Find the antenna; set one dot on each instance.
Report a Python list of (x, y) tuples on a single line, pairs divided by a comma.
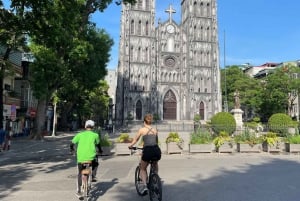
[(225, 77)]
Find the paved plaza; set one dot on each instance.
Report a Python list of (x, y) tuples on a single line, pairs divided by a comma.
[(44, 171)]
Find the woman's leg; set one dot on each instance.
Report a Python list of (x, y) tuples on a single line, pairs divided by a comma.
[(143, 171), (155, 165)]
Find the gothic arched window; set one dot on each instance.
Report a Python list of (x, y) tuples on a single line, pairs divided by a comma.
[(131, 53), (147, 5), (139, 54), (140, 4), (140, 28), (147, 28), (146, 54), (132, 27)]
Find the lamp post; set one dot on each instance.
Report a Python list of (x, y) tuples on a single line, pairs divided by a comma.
[(110, 114)]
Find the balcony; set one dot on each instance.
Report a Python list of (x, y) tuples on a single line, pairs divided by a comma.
[(10, 100)]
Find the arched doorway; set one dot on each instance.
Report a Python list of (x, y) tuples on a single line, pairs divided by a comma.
[(169, 106), (138, 110), (201, 110)]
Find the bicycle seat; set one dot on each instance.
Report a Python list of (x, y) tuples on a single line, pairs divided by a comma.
[(86, 162), (85, 171)]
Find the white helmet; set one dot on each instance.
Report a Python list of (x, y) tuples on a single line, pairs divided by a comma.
[(89, 123)]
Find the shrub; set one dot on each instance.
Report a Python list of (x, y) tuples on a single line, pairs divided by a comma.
[(248, 138), (293, 139), (280, 123), (174, 137), (196, 118), (124, 138), (223, 121), (201, 136), (222, 138), (105, 141), (271, 138)]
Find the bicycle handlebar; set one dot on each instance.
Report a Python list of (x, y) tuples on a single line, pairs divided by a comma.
[(135, 148)]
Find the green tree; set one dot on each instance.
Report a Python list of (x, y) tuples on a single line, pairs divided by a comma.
[(59, 33), (12, 38), (248, 87), (280, 91)]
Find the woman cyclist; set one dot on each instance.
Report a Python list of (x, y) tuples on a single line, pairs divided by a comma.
[(151, 150)]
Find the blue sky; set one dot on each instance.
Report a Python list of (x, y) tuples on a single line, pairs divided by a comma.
[(256, 31)]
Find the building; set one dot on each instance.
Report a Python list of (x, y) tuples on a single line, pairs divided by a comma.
[(260, 71), (165, 68), (111, 79)]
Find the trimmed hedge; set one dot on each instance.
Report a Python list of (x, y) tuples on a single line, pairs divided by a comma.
[(223, 121), (279, 123)]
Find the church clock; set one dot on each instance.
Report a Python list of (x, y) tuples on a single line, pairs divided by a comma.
[(170, 28)]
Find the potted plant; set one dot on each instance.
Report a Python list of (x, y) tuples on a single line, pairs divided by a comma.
[(223, 142), (248, 142), (121, 144), (106, 144), (272, 143), (201, 141), (174, 143), (292, 143)]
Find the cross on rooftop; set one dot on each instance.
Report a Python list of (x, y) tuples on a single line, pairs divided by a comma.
[(170, 11)]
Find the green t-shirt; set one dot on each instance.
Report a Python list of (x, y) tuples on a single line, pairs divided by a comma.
[(86, 149)]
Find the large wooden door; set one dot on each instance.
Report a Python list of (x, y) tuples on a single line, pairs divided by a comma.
[(138, 110), (169, 106)]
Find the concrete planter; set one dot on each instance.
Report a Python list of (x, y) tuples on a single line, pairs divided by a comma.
[(292, 147), (227, 147), (122, 149), (106, 151), (200, 148), (276, 148), (173, 148), (241, 147)]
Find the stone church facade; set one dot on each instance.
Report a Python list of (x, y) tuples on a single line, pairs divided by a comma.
[(168, 69)]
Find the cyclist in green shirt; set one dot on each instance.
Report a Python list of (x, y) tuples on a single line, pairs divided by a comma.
[(86, 143)]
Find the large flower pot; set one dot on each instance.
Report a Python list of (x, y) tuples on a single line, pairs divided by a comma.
[(122, 149), (227, 147), (292, 147), (200, 148), (276, 148), (106, 151), (243, 147), (174, 148)]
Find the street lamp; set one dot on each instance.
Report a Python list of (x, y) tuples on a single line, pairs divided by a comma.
[(110, 114)]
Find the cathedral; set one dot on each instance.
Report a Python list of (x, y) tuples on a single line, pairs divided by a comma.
[(167, 68)]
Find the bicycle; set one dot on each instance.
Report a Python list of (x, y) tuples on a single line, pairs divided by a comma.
[(153, 181), (86, 179)]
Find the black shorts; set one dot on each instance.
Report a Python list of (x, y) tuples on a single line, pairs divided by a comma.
[(151, 153)]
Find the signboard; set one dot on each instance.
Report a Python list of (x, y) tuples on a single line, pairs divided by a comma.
[(13, 115)]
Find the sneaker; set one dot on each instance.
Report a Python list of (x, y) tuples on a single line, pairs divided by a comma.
[(79, 194), (144, 190), (94, 179)]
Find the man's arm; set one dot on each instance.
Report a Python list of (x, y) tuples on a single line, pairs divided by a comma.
[(99, 148), (71, 147)]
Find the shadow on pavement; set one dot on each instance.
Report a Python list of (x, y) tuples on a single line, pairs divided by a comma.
[(30, 156), (268, 181)]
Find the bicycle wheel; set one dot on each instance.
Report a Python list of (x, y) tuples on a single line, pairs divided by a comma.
[(155, 187), (138, 181)]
